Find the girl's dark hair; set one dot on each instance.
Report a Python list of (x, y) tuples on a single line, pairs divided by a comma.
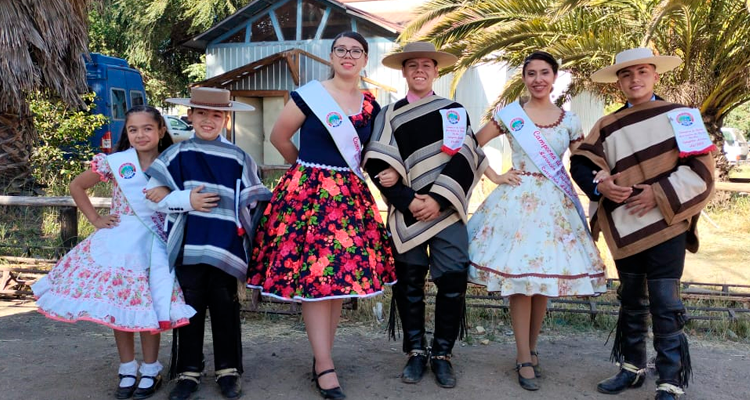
[(351, 35), (543, 56), (124, 142)]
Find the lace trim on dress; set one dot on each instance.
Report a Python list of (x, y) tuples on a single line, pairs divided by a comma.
[(558, 122), (322, 166)]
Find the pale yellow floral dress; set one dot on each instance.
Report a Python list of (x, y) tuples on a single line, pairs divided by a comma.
[(529, 239)]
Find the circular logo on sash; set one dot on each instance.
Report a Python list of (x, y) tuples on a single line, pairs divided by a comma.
[(334, 119), (452, 117), (516, 124), (685, 119), (127, 170)]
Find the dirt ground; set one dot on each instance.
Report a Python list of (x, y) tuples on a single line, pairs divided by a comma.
[(45, 359)]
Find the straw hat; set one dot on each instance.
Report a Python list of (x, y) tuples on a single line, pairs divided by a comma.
[(637, 56), (419, 50), (211, 99)]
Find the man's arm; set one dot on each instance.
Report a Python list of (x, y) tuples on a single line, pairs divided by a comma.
[(399, 194), (582, 170)]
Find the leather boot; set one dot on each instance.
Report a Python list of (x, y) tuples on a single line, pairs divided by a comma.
[(629, 348), (669, 317), (408, 294), (449, 316)]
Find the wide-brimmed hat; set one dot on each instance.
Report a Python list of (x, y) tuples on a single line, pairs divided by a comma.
[(419, 50), (211, 99), (637, 56)]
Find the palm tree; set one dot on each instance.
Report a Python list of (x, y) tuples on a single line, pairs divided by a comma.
[(712, 37), (43, 43)]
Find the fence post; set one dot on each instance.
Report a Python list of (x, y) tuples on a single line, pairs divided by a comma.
[(68, 227)]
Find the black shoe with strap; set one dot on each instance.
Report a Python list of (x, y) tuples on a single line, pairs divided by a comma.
[(526, 383), (187, 383), (415, 367), (144, 393), (537, 367), (443, 370), (333, 393), (625, 379), (229, 383), (127, 391)]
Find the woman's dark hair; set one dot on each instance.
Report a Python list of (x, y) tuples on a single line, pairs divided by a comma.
[(543, 56), (351, 35), (124, 142)]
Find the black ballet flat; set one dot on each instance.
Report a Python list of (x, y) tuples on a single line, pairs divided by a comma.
[(126, 392), (333, 393), (144, 393), (537, 367), (526, 383)]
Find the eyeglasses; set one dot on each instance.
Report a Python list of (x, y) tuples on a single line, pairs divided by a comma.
[(356, 53)]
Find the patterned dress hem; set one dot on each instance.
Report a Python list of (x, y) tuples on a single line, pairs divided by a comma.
[(299, 299)]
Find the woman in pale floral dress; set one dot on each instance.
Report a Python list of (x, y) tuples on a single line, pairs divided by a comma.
[(527, 240), (119, 276)]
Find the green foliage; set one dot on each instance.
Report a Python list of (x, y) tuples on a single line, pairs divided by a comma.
[(740, 118), (149, 34), (63, 146)]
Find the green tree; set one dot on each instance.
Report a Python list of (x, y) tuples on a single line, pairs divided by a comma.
[(63, 147), (740, 118), (712, 37), (149, 34)]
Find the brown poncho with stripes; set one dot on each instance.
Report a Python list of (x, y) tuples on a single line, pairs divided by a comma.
[(408, 137), (639, 143)]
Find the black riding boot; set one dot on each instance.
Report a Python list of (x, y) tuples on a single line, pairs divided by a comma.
[(408, 294), (449, 316), (672, 353), (629, 348)]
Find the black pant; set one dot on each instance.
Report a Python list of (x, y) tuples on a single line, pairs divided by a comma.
[(206, 286), (650, 284)]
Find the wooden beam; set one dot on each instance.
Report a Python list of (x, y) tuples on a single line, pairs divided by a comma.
[(60, 201), (291, 63)]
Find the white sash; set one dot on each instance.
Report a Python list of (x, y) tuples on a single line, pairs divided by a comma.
[(127, 171), (531, 140), (690, 132), (336, 122)]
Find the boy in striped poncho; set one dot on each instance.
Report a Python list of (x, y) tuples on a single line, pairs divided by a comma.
[(650, 187), (214, 186)]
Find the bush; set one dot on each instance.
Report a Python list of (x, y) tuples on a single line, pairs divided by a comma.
[(63, 148)]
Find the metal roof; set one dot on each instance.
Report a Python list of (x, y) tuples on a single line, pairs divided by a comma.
[(256, 7)]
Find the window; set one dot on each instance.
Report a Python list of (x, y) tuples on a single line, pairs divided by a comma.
[(238, 37), (263, 31), (312, 14), (337, 22), (136, 98), (287, 17), (119, 104)]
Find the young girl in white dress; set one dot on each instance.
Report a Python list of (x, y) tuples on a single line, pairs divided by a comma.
[(119, 276), (527, 240)]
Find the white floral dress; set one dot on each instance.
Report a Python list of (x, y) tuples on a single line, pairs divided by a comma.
[(105, 278), (529, 239)]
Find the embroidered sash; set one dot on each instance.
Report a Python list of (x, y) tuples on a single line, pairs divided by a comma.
[(127, 171), (531, 140), (454, 129), (690, 132), (336, 122)]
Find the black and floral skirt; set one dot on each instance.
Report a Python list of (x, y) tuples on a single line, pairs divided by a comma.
[(321, 237)]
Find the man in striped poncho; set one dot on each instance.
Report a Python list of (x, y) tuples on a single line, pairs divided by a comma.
[(650, 185), (427, 140)]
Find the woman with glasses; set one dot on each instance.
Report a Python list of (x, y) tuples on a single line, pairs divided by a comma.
[(321, 239)]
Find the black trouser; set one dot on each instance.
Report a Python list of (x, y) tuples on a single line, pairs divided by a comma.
[(447, 262), (659, 269), (206, 286)]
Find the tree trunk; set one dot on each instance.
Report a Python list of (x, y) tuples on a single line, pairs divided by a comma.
[(17, 137), (714, 131)]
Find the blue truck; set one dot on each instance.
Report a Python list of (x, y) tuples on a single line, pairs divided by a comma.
[(118, 87)]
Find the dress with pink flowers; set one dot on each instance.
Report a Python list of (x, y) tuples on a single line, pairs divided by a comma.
[(107, 278), (529, 239)]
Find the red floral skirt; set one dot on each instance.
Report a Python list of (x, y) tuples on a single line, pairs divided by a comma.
[(321, 237)]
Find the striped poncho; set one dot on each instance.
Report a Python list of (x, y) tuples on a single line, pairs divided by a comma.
[(409, 137), (211, 237), (639, 143)]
